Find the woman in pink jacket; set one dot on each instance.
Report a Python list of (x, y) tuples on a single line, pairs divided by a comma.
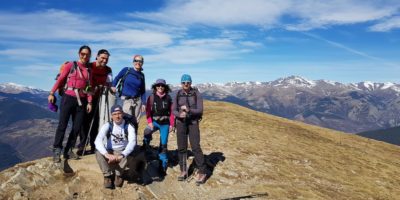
[(75, 78)]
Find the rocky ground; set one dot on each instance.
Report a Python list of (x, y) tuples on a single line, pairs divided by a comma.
[(257, 156)]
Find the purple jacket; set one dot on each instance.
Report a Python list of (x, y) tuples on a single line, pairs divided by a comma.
[(193, 100)]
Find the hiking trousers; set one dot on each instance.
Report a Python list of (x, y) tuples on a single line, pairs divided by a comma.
[(164, 132), (132, 107), (69, 108), (114, 168), (183, 132)]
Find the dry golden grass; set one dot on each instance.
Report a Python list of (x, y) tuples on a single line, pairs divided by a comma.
[(289, 159)]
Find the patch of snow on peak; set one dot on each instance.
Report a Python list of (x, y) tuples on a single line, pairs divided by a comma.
[(387, 85), (17, 88)]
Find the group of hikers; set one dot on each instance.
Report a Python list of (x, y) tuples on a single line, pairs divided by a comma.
[(88, 96)]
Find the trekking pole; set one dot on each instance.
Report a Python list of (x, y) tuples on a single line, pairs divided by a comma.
[(185, 164), (107, 104), (90, 128)]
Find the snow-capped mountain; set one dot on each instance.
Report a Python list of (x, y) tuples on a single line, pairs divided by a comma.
[(13, 88), (354, 107)]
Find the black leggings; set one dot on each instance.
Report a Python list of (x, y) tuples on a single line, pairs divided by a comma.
[(191, 130), (69, 108)]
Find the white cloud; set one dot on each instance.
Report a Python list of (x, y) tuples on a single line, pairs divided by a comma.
[(58, 25), (46, 25), (251, 44), (315, 14), (233, 34), (291, 14), (195, 51), (219, 12), (26, 53), (386, 25)]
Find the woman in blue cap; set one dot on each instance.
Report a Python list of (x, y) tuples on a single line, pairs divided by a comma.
[(159, 117), (188, 110)]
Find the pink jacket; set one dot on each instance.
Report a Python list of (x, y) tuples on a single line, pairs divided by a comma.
[(77, 79)]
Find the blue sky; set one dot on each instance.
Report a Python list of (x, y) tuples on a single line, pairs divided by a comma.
[(213, 40)]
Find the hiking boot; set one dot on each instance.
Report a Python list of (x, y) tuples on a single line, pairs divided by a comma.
[(201, 178), (118, 181), (92, 150), (108, 182), (182, 176), (162, 170), (80, 151), (57, 155), (71, 155)]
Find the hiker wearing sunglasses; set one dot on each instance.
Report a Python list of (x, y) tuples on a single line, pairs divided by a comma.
[(188, 109), (101, 79), (130, 84), (159, 117), (76, 100)]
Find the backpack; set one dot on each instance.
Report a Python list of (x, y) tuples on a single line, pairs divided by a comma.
[(129, 120), (168, 99), (120, 84), (64, 86), (179, 94)]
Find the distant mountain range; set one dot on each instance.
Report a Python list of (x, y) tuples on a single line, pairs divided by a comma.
[(26, 125), (352, 108)]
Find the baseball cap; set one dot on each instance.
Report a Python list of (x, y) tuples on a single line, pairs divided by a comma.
[(116, 108)]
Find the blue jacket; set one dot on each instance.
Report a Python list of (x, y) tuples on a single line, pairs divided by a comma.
[(134, 84)]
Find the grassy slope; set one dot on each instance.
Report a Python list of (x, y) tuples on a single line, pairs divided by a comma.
[(291, 159), (263, 154)]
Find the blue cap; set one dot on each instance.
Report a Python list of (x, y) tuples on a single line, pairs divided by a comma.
[(186, 78), (116, 108)]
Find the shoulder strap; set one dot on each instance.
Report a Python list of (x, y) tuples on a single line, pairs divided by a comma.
[(110, 129), (120, 84), (195, 97), (76, 67), (177, 99), (126, 129), (129, 121), (89, 72), (111, 126), (151, 99)]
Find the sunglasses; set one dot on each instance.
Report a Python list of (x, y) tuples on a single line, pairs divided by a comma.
[(187, 82), (139, 61), (160, 85), (84, 54)]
